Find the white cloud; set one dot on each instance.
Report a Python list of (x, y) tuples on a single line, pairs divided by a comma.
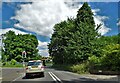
[(44, 52), (100, 20), (66, 0), (95, 11), (118, 24), (6, 0), (43, 48), (3, 31), (42, 45), (41, 16)]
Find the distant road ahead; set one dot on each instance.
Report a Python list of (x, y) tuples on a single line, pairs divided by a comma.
[(16, 75)]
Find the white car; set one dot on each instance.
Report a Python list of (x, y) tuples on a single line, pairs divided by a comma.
[(35, 67)]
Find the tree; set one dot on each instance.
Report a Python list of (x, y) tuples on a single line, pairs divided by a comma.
[(60, 40), (14, 45), (86, 33), (73, 40)]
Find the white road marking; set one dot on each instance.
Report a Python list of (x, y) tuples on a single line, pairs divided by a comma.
[(55, 78), (52, 76), (18, 78)]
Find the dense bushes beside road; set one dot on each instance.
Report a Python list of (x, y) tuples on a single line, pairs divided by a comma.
[(108, 60)]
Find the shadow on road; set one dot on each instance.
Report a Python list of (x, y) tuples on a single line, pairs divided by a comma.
[(33, 77), (89, 79)]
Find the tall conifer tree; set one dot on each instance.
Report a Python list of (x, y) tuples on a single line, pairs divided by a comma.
[(85, 32)]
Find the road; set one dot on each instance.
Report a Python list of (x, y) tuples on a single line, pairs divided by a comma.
[(16, 75)]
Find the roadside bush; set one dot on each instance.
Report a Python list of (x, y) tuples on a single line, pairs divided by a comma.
[(80, 68), (8, 64), (62, 67), (13, 62), (77, 68), (18, 58), (109, 59), (94, 63)]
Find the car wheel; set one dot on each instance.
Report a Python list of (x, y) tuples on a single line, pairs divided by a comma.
[(41, 74), (27, 75)]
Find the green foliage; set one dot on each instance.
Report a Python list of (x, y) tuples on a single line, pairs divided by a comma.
[(38, 57), (8, 64), (109, 59), (60, 41), (94, 63), (14, 45), (62, 67), (76, 68), (77, 40), (80, 68), (13, 61), (72, 40), (94, 60), (85, 15), (18, 58)]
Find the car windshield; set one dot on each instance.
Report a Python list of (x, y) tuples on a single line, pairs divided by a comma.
[(33, 63)]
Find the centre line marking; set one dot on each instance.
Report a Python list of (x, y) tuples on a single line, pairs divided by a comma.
[(52, 76), (55, 77)]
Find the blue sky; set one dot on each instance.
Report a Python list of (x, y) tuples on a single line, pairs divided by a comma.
[(110, 10), (8, 10), (13, 14)]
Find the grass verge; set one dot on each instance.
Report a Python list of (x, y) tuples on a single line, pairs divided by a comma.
[(11, 65)]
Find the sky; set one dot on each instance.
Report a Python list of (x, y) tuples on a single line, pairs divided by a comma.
[(39, 18)]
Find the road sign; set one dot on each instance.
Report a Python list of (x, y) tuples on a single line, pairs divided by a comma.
[(24, 54)]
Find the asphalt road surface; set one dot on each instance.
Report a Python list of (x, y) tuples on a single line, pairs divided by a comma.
[(17, 75)]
